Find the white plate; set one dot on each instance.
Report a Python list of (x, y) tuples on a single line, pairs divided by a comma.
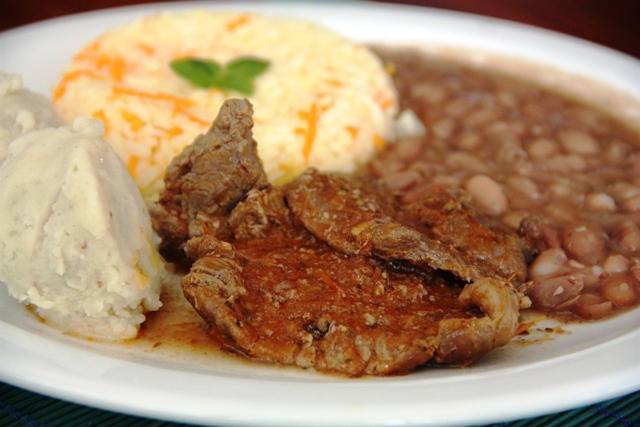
[(588, 363)]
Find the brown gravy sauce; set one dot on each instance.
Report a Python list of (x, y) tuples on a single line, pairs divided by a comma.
[(176, 324)]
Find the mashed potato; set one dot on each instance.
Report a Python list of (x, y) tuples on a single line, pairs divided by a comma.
[(324, 101), (75, 236), (22, 111)]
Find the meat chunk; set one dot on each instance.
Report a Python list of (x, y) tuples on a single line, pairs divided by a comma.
[(445, 216), (297, 301), (462, 340), (259, 214), (205, 182), (438, 232)]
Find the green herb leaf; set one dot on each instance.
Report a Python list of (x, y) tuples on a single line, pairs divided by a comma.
[(199, 72), (237, 75), (240, 73), (249, 67)]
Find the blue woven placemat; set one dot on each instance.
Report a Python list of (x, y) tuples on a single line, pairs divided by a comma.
[(20, 408)]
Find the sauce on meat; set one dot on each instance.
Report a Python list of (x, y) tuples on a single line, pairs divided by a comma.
[(177, 325), (387, 286)]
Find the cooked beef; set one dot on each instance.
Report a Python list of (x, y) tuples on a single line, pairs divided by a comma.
[(292, 299), (445, 216), (207, 179), (262, 213), (438, 231), (330, 271)]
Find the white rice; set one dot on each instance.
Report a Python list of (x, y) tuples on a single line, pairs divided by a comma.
[(324, 101)]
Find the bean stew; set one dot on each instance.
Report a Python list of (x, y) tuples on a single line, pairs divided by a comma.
[(523, 151)]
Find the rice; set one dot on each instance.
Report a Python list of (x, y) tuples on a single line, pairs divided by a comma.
[(323, 102)]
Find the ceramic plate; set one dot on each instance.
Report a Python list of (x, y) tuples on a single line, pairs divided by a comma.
[(542, 373)]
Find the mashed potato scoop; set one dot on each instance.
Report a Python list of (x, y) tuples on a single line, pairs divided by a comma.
[(75, 236), (22, 111)]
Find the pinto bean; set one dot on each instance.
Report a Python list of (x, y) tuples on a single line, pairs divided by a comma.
[(587, 118), (626, 237), (457, 107), (591, 276), (592, 306), (574, 163), (425, 169), (572, 263), (487, 195), (525, 186), (443, 128), (616, 264), (620, 289), (513, 219), (382, 168), (555, 293), (466, 162), (542, 149), (526, 168), (617, 151), (534, 110), (632, 204), (408, 149), (566, 163), (635, 272), (634, 162), (566, 189), (506, 130), (550, 236), (507, 99), (401, 180), (622, 191), (586, 244), (446, 180), (510, 152), (468, 141), (594, 162), (600, 202), (429, 92), (481, 116), (578, 142), (561, 212), (547, 263)]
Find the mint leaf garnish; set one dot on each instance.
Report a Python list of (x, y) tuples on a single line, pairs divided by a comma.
[(238, 75), (199, 72)]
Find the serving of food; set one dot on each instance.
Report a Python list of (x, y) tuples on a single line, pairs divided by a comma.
[(246, 202)]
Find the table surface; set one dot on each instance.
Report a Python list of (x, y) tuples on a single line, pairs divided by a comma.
[(610, 23)]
